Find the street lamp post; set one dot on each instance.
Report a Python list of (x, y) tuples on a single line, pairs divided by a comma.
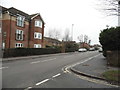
[(118, 13)]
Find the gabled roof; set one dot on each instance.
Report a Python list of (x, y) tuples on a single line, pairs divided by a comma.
[(52, 40), (35, 15), (15, 12), (3, 8)]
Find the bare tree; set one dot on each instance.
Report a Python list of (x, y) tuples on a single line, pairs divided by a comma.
[(54, 33), (109, 7), (85, 38), (57, 34), (80, 38), (67, 35), (50, 33)]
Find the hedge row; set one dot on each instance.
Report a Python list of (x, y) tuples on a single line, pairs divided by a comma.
[(70, 50), (16, 52)]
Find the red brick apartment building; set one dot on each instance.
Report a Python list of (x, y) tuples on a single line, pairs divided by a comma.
[(20, 29)]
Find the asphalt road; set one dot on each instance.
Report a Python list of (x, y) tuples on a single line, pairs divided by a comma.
[(48, 72)]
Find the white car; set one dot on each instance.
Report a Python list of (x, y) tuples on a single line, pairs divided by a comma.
[(92, 49), (82, 50), (100, 50)]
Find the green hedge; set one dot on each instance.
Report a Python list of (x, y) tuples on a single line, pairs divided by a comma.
[(16, 52), (110, 39), (70, 50)]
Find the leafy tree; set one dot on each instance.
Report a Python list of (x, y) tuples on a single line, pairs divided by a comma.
[(110, 39)]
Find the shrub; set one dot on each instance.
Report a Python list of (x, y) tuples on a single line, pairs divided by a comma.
[(16, 52), (110, 39)]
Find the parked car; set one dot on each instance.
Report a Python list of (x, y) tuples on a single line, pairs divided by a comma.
[(82, 50), (92, 49), (100, 50)]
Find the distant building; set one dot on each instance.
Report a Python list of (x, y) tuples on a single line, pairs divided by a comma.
[(48, 42), (84, 45), (70, 42), (20, 29)]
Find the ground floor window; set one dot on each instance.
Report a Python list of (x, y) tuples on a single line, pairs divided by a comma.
[(3, 45), (17, 45), (37, 46)]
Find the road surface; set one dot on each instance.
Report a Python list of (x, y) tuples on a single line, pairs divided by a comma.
[(48, 72)]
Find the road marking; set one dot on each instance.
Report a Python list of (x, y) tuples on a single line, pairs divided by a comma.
[(96, 81), (41, 82), (48, 60), (3, 68), (65, 69), (28, 88), (67, 56), (56, 75), (35, 62), (42, 61), (85, 60)]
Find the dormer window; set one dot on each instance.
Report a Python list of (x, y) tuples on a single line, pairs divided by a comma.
[(20, 20), (38, 23)]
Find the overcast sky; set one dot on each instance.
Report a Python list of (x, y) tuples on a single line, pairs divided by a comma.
[(61, 14)]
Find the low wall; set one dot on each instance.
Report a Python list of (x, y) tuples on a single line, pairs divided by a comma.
[(113, 58)]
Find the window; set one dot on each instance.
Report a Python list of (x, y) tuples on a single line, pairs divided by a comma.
[(3, 46), (0, 14), (38, 23), (37, 35), (20, 21), (37, 46), (17, 45), (0, 30), (19, 34)]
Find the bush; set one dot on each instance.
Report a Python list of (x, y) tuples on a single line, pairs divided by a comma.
[(110, 39), (16, 52), (71, 47)]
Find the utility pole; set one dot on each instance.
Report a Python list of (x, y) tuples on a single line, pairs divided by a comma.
[(118, 13)]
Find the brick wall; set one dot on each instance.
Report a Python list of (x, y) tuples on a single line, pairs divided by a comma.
[(35, 29), (9, 27)]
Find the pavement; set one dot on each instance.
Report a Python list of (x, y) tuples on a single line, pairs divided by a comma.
[(94, 68)]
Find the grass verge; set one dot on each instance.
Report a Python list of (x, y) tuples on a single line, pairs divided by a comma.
[(112, 75)]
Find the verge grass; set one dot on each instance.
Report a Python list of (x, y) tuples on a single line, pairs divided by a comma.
[(112, 75)]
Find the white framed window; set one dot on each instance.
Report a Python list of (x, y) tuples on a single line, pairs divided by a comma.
[(0, 14), (38, 23), (37, 35), (3, 45), (0, 30), (20, 20), (37, 46), (19, 34), (17, 45)]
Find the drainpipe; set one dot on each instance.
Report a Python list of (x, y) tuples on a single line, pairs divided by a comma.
[(29, 31), (10, 32)]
